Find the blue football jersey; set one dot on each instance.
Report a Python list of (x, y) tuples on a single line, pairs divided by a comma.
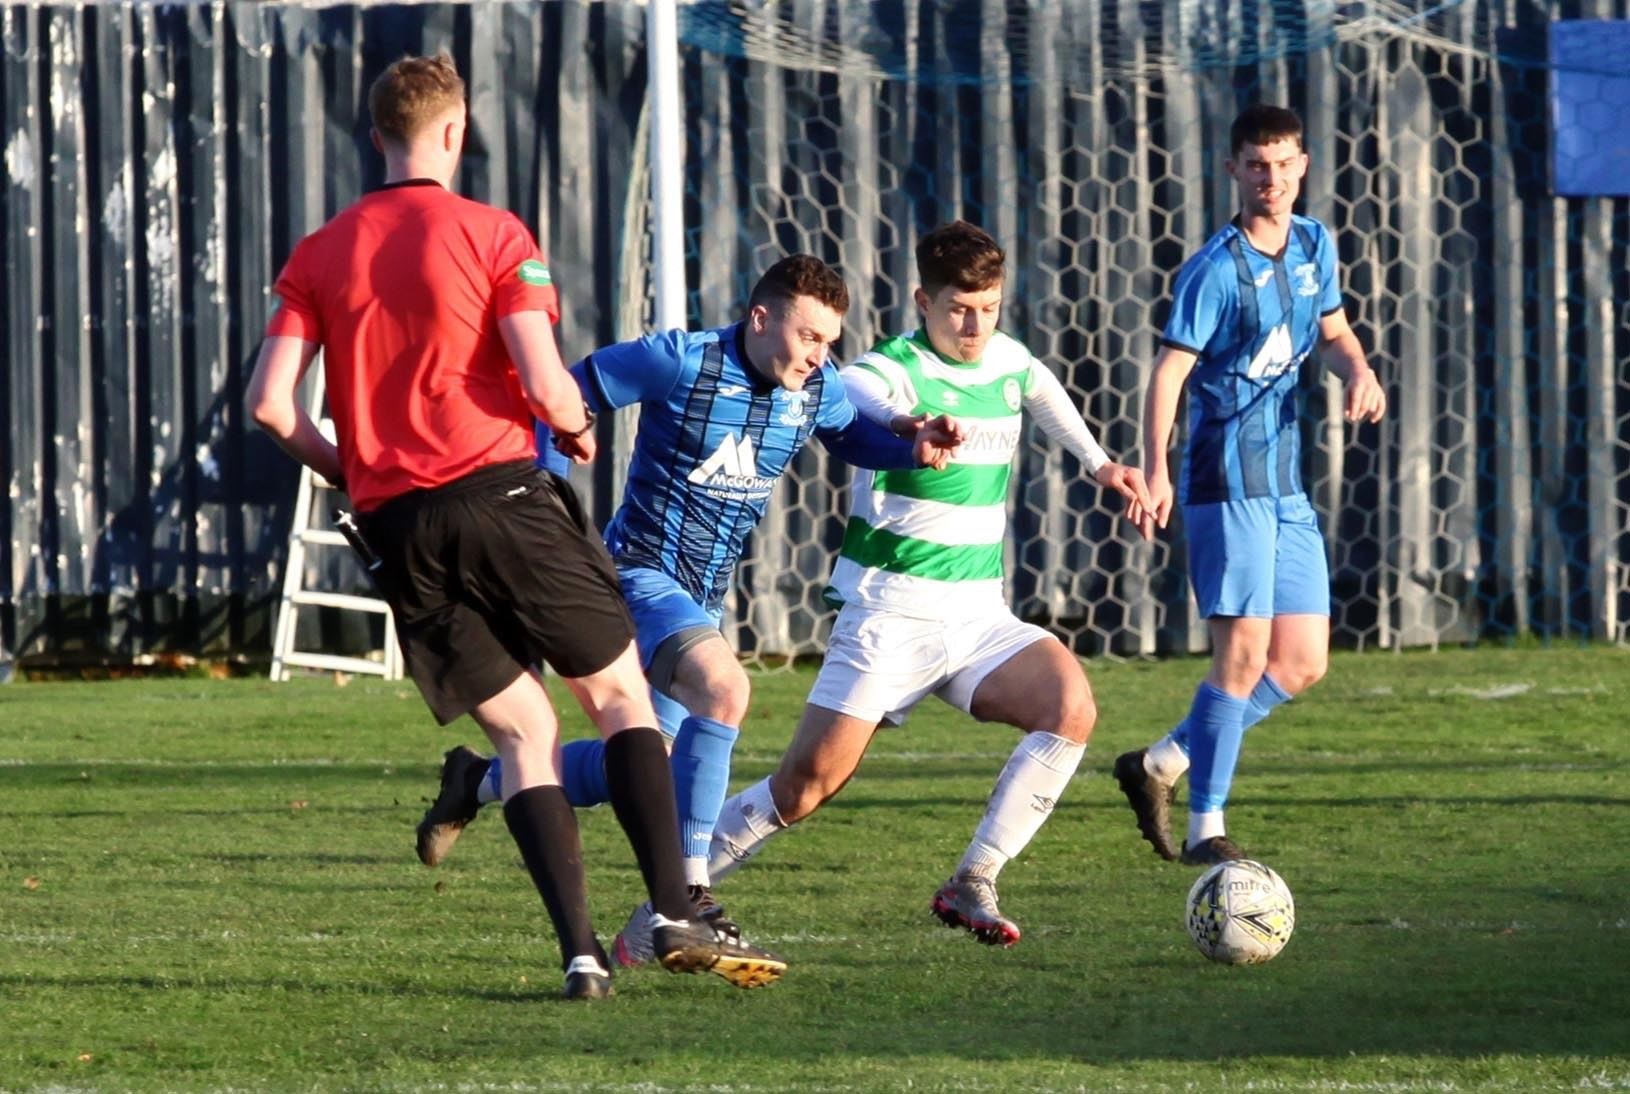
[(714, 438), (1251, 319)]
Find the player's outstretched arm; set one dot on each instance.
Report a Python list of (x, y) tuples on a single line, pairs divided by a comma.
[(1129, 483), (1051, 408), (273, 402), (864, 443), (1366, 399), (1172, 368), (1050, 405), (870, 429), (551, 392), (934, 440)]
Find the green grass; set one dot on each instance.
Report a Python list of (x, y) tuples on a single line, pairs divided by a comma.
[(211, 885)]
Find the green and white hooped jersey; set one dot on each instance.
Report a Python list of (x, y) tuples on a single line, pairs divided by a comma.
[(930, 543)]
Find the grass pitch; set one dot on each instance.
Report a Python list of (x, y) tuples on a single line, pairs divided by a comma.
[(211, 885)]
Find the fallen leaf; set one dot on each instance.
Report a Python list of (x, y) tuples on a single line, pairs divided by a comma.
[(31, 883)]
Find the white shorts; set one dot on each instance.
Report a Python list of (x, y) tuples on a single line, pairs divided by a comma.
[(880, 664)]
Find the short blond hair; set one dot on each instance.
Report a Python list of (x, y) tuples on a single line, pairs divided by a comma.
[(412, 93)]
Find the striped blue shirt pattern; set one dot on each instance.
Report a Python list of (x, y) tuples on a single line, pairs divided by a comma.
[(1251, 319)]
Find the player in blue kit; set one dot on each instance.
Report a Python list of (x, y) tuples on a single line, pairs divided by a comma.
[(1248, 308), (722, 414)]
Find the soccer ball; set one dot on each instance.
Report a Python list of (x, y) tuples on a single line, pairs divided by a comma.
[(1240, 913)]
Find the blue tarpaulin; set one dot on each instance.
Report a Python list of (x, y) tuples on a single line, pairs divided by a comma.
[(1590, 107)]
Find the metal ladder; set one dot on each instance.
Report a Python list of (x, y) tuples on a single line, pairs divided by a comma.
[(303, 536)]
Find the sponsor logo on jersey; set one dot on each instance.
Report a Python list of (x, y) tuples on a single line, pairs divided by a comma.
[(1307, 279), (950, 398), (980, 439), (732, 470), (534, 272), (1264, 277), (1276, 357), (727, 390)]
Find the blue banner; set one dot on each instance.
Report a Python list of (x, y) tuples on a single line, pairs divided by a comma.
[(1590, 107)]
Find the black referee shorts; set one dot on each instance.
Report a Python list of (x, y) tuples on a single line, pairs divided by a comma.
[(493, 574)]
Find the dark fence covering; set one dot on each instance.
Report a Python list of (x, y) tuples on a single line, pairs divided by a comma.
[(160, 161)]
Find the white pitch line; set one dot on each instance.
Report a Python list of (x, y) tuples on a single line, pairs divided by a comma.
[(1492, 692)]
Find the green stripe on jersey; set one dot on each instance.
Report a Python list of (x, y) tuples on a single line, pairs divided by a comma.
[(993, 387), (897, 349), (881, 550), (959, 484)]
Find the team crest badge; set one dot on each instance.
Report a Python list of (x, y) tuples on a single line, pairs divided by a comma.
[(534, 272), (796, 412), (1307, 279), (1011, 394)]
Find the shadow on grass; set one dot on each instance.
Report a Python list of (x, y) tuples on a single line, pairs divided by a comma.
[(294, 986), (179, 811), (861, 802), (1463, 1000)]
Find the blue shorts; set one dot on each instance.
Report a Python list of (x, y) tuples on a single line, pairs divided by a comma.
[(661, 609), (1257, 557)]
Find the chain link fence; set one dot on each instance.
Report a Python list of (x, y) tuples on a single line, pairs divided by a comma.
[(160, 160), (1089, 138)]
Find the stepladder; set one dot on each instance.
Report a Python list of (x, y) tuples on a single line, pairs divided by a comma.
[(309, 536)]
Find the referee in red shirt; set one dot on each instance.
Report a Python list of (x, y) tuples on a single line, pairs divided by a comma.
[(434, 314)]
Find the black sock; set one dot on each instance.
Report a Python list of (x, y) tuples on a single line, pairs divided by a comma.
[(642, 795), (545, 829)]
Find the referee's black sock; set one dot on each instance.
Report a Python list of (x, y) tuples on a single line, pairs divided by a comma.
[(642, 794), (545, 829)]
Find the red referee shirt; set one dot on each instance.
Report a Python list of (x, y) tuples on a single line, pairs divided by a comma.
[(404, 291)]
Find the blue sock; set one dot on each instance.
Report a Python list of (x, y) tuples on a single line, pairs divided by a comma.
[(1216, 725), (492, 783), (671, 713), (1264, 697), (582, 774), (701, 766)]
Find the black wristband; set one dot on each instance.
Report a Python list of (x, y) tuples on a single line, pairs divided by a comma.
[(588, 424)]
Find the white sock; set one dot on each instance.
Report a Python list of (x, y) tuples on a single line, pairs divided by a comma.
[(1026, 791), (1166, 760), (746, 822), (696, 872), (488, 791), (1202, 826)]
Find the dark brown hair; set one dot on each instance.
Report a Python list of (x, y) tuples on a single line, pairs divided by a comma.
[(412, 93), (800, 275), (1263, 123), (959, 254)]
